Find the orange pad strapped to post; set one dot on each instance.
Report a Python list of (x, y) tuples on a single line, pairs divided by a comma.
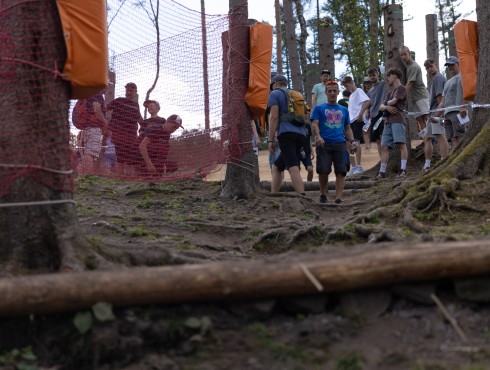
[(260, 69), (466, 34), (85, 31)]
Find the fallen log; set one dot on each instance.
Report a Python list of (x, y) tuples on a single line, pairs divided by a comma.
[(243, 280), (315, 186)]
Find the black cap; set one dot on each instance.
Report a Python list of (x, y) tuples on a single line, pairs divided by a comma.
[(326, 71)]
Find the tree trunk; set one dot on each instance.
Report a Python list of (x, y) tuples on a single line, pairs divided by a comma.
[(326, 45), (292, 47), (244, 280), (432, 42), (302, 41), (373, 32), (277, 8), (481, 116), (242, 174), (35, 141)]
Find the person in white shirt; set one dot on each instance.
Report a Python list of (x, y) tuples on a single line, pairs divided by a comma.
[(358, 104)]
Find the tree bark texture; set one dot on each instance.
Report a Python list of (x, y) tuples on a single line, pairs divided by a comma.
[(34, 141), (302, 42), (292, 45), (241, 177), (244, 280), (481, 116), (277, 8), (373, 32), (432, 42), (326, 46)]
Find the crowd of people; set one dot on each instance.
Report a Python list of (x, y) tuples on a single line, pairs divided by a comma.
[(116, 137), (372, 114)]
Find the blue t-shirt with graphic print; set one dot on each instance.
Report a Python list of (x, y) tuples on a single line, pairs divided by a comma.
[(331, 121)]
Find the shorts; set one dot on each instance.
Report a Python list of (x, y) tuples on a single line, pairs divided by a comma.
[(331, 153), (290, 144), (434, 128), (356, 127), (376, 134), (275, 155), (393, 133), (421, 105), (452, 126), (92, 138)]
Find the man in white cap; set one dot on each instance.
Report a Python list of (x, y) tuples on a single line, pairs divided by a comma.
[(452, 99)]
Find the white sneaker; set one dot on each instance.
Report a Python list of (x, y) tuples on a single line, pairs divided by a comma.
[(426, 169), (356, 169)]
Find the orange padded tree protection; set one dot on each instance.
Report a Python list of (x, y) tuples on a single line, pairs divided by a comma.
[(466, 34), (260, 69), (85, 31)]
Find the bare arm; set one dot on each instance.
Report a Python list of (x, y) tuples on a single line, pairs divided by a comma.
[(365, 106), (349, 135), (100, 116), (313, 101), (273, 122), (144, 153), (316, 132)]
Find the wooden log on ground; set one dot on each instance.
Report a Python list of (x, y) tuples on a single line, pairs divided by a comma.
[(243, 280), (315, 186)]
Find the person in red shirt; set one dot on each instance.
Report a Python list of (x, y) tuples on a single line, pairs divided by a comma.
[(155, 146)]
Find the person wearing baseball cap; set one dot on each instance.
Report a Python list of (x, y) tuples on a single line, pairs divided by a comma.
[(153, 108), (452, 99), (124, 129), (288, 135), (318, 95)]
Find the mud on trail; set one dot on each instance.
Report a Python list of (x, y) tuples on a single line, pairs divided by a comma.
[(396, 326)]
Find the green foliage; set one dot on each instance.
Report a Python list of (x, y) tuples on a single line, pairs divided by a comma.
[(349, 362), (138, 231), (351, 34), (203, 324), (281, 351), (19, 359), (83, 321), (145, 203)]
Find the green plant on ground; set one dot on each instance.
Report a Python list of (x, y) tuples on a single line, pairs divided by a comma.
[(349, 362), (19, 359), (138, 231), (280, 350)]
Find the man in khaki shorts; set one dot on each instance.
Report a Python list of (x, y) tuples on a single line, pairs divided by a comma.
[(417, 92), (435, 124)]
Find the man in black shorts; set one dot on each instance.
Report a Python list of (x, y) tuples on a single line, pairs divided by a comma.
[(331, 129)]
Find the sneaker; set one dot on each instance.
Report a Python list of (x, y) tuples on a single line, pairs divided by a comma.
[(356, 169), (380, 176), (426, 169), (338, 201), (401, 175), (323, 198)]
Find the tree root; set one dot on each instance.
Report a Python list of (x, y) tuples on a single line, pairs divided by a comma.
[(299, 233), (269, 234)]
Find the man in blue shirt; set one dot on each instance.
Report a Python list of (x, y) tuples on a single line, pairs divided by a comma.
[(291, 137), (331, 129)]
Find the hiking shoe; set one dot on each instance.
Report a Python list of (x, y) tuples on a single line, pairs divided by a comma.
[(401, 175), (323, 198), (380, 176), (338, 201)]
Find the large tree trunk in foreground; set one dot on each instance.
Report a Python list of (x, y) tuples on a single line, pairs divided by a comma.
[(34, 141), (244, 280), (242, 174)]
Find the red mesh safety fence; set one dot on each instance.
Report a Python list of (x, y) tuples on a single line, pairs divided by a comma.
[(164, 104), (34, 133), (179, 133)]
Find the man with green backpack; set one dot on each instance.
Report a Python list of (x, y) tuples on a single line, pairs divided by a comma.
[(287, 119)]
